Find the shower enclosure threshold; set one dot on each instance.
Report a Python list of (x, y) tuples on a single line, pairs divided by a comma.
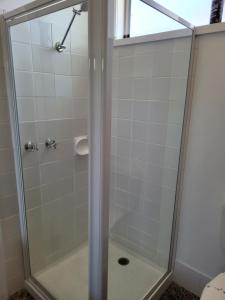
[(68, 278)]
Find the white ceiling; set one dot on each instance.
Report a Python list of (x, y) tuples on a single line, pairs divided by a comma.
[(12, 4)]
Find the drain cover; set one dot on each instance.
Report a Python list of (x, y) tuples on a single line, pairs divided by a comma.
[(123, 261)]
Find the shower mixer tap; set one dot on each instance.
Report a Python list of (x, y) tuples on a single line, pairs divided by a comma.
[(50, 144), (30, 146)]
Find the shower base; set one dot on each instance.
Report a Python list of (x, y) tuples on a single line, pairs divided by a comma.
[(68, 278)]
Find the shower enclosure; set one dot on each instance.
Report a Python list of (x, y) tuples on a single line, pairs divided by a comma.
[(97, 128)]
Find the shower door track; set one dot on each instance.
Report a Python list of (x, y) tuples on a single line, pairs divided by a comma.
[(28, 12)]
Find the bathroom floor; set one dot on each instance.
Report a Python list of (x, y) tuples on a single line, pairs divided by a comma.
[(131, 281), (174, 292)]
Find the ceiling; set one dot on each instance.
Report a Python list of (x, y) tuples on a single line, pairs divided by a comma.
[(12, 4)]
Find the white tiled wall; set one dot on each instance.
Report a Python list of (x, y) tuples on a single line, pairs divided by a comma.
[(149, 88), (52, 97)]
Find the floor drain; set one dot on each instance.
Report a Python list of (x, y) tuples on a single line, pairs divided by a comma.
[(123, 261)]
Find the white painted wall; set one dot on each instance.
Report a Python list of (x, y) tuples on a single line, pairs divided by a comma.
[(200, 255), (12, 4)]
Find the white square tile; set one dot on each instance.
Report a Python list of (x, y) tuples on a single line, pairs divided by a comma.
[(24, 84), (44, 85), (79, 35), (33, 198), (157, 133), (21, 32), (159, 111), (126, 66), (79, 65), (123, 128), (142, 88), (180, 64), (161, 88), (173, 135), (63, 108), (26, 109), (44, 108), (27, 133), (182, 44), (58, 129), (41, 33), (178, 89), (125, 51), (22, 57), (138, 169), (80, 87), (169, 178), (81, 109), (53, 171), (42, 59), (125, 88), (140, 131), (162, 64), (123, 148), (123, 110), (176, 112), (62, 63), (141, 110), (143, 65), (31, 177), (139, 150), (63, 86)]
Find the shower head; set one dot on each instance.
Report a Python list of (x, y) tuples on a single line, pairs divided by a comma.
[(84, 7)]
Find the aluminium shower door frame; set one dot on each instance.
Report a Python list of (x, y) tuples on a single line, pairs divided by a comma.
[(100, 46)]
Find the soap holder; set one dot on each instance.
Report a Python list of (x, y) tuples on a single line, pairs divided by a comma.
[(81, 145)]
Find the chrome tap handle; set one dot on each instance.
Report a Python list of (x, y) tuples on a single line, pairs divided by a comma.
[(50, 143), (30, 146)]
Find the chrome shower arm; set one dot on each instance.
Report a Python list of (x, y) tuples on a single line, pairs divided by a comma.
[(60, 46)]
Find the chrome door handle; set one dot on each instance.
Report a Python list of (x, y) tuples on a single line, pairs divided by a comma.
[(50, 143), (30, 146)]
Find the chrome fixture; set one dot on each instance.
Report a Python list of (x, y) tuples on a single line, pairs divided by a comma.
[(30, 147), (84, 7), (50, 144)]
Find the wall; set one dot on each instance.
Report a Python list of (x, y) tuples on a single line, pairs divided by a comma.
[(200, 255), (52, 99), (149, 88)]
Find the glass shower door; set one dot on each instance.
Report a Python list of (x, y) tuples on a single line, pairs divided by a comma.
[(52, 101), (150, 76)]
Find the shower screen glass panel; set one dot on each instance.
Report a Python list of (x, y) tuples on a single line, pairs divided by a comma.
[(52, 102), (149, 91)]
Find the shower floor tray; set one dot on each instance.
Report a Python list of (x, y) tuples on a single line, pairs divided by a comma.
[(68, 279)]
